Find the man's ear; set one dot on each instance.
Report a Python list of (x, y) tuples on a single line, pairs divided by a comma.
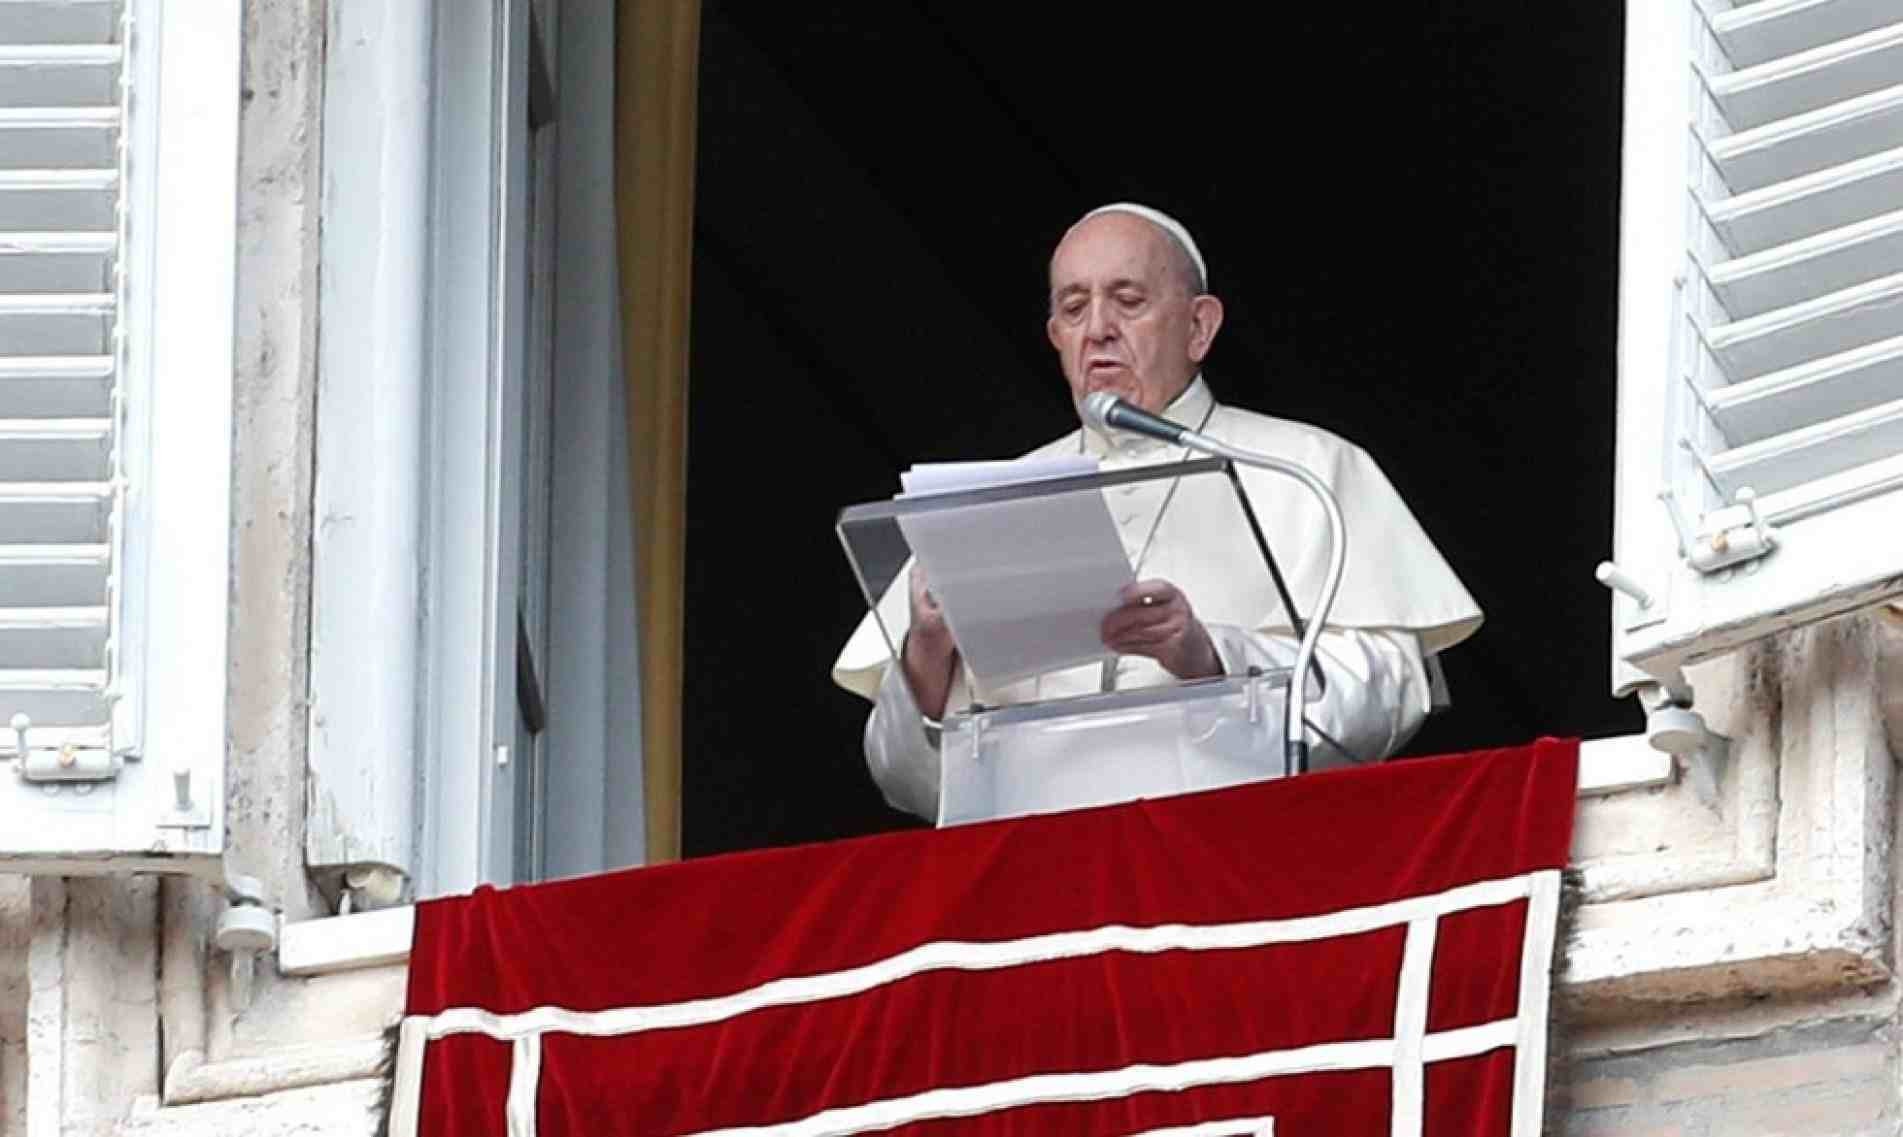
[(1205, 316), (1050, 329)]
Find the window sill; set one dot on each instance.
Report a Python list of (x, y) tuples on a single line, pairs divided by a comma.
[(333, 944)]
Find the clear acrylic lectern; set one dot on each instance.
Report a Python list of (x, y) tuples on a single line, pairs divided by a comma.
[(1098, 729)]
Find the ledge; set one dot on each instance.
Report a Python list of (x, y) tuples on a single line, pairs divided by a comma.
[(333, 944), (191, 1080)]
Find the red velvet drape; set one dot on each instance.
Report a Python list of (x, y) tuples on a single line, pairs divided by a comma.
[(871, 974)]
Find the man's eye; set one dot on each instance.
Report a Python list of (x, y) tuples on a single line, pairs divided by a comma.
[(1130, 300)]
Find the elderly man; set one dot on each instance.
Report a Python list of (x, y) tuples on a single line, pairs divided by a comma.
[(1130, 313)]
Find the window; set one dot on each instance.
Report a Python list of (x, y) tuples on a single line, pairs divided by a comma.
[(1761, 333), (467, 489), (118, 211)]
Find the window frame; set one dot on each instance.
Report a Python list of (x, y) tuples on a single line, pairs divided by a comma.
[(419, 531)]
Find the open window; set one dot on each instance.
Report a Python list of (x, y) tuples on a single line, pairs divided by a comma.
[(473, 516)]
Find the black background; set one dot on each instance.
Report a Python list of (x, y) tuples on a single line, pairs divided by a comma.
[(1410, 212)]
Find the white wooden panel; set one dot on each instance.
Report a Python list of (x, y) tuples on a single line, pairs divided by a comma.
[(63, 514), (71, 637), (45, 576), (1784, 461), (34, 75), (1806, 143), (1753, 33), (116, 369), (60, 111), (1815, 203), (40, 200), (1814, 391), (1803, 336), (55, 450), (52, 323), (367, 551), (57, 138), (54, 386), (52, 697), (1809, 80), (1824, 325), (56, 262), (58, 21), (1839, 558), (1795, 350), (179, 587), (1793, 273)]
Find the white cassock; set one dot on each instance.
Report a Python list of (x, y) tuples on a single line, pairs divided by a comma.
[(1399, 602)]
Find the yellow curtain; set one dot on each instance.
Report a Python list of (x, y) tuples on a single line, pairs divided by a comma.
[(657, 48)]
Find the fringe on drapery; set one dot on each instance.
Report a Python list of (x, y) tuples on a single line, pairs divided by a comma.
[(1572, 892), (386, 1077)]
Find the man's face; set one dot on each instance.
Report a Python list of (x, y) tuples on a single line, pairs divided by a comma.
[(1122, 317)]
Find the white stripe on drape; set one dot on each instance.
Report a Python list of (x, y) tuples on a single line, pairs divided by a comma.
[(1407, 1053), (525, 1083), (1410, 1029), (1536, 980), (955, 955)]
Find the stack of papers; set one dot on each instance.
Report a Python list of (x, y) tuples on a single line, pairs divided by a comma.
[(1026, 583)]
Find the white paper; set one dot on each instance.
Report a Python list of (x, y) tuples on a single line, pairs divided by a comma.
[(1025, 584), (952, 477)]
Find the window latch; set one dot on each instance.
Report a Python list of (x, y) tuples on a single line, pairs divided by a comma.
[(70, 761), (1733, 535)]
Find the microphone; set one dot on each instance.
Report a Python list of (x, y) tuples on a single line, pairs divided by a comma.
[(1106, 412)]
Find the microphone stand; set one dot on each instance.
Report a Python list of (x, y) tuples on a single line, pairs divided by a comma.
[(1294, 737), (1117, 413)]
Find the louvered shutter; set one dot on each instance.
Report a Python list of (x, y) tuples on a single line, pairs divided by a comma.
[(108, 325), (61, 110), (1761, 346)]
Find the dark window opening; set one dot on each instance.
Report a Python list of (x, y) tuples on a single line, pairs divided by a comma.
[(1412, 223)]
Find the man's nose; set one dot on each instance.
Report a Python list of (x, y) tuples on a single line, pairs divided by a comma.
[(1099, 324)]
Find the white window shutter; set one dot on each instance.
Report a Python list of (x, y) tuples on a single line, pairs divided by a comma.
[(117, 255), (1761, 320)]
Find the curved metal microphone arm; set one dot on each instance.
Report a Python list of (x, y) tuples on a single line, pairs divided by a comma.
[(1294, 738), (1106, 412)]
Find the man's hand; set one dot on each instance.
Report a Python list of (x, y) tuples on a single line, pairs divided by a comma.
[(930, 653), (1154, 619)]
